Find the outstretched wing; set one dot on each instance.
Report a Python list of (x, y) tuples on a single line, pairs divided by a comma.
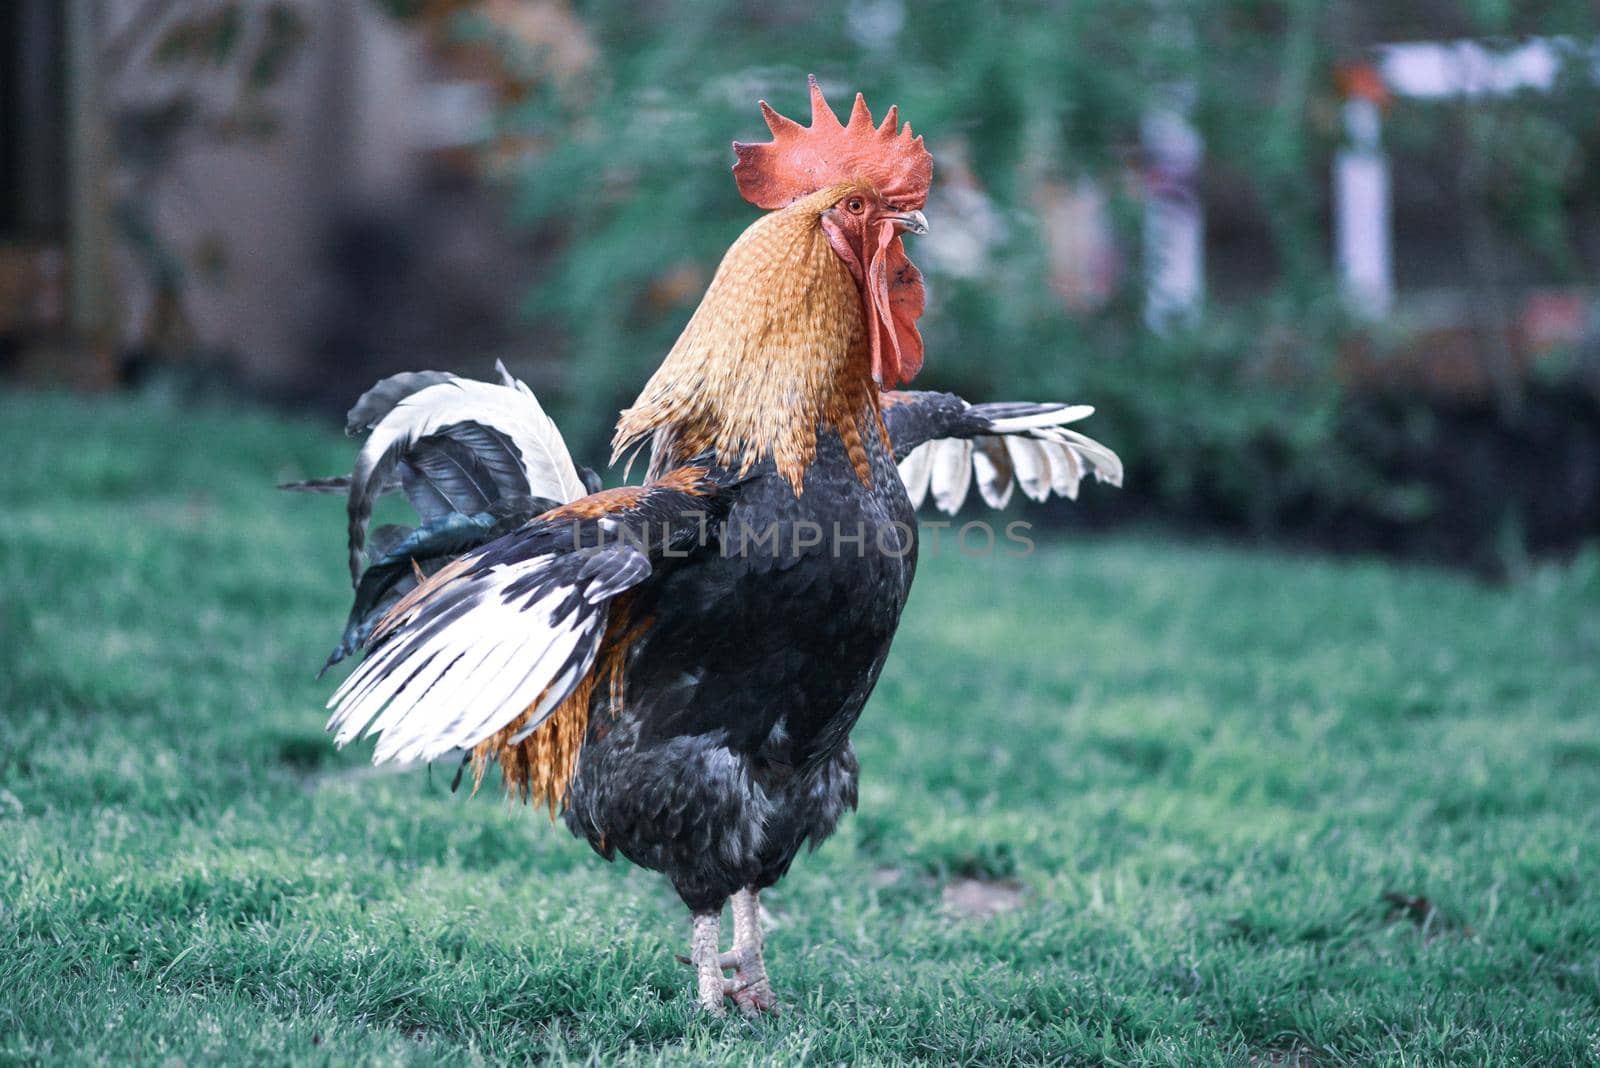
[(941, 442), (515, 626)]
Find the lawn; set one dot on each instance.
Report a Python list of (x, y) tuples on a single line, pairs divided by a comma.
[(1190, 774)]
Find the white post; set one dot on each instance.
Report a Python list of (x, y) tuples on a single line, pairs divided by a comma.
[(1361, 204), (87, 238), (1174, 222)]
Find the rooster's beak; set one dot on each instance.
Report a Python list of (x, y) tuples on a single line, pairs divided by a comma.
[(910, 222)]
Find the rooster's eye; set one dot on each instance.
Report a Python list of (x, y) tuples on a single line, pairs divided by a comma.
[(854, 205)]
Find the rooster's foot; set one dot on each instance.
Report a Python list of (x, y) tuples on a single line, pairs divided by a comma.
[(753, 996), (707, 962), (751, 990)]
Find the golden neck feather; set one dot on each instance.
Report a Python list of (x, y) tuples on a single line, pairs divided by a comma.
[(777, 349)]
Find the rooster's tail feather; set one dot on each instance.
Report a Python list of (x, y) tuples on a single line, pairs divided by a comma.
[(476, 460), (458, 445)]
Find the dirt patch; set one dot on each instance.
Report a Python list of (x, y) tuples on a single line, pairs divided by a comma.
[(1295, 1057), (982, 897), (1424, 913)]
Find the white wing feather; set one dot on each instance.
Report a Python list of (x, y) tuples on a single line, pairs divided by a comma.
[(1066, 471), (952, 473), (1032, 467), (992, 465), (916, 470), (468, 679), (1058, 417)]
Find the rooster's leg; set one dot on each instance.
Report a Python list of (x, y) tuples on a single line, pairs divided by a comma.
[(704, 956), (750, 989)]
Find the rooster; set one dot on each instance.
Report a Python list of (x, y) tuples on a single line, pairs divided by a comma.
[(676, 666)]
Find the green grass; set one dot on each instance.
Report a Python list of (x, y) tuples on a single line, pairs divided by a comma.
[(1202, 767)]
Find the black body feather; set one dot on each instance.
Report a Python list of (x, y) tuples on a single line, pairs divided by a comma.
[(729, 747)]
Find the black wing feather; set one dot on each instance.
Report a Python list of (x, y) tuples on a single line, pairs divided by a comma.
[(914, 417), (442, 475), (380, 400)]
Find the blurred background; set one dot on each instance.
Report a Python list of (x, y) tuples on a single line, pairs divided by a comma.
[(1328, 270)]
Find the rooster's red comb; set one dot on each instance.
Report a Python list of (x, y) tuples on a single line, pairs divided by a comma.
[(800, 160)]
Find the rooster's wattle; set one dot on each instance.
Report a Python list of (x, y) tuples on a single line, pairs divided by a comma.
[(678, 665)]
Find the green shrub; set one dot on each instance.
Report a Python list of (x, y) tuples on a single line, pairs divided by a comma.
[(1242, 419)]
